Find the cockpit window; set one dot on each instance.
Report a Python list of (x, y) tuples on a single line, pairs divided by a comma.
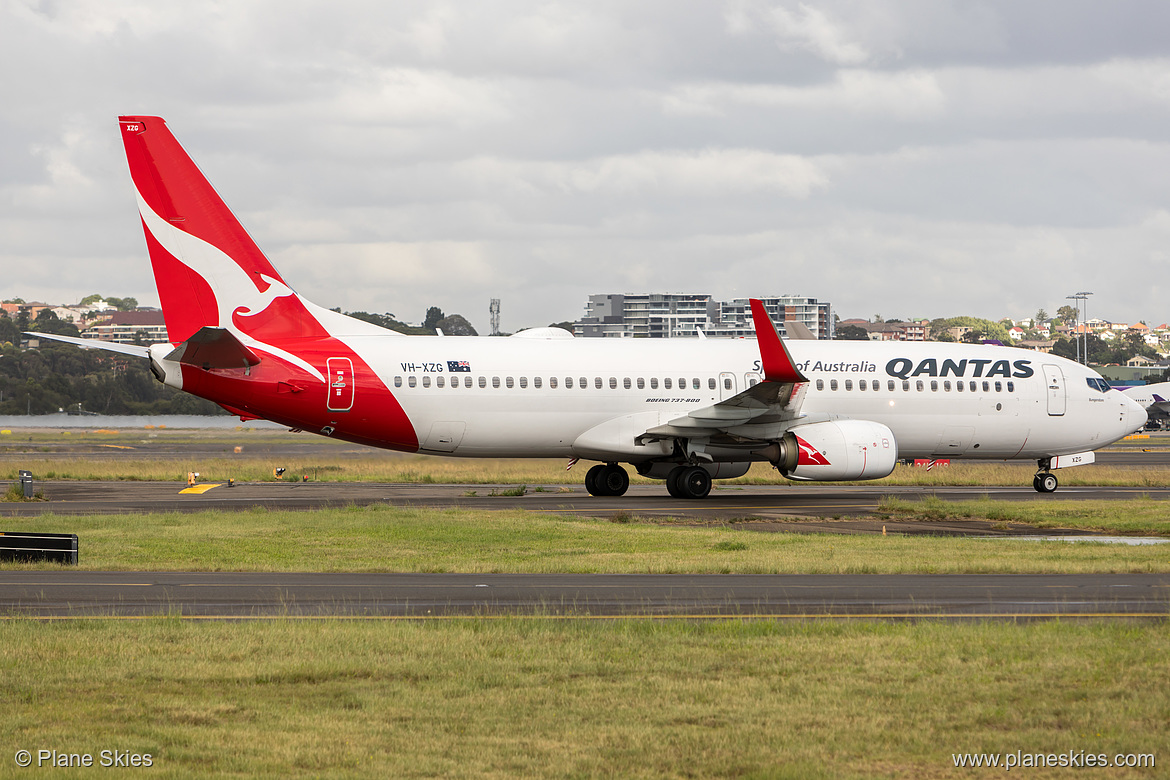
[(1098, 384)]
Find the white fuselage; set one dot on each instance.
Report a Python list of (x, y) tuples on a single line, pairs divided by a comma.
[(535, 397)]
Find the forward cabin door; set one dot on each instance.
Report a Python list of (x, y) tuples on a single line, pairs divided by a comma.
[(1057, 398)]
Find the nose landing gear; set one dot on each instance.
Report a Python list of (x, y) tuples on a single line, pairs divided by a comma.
[(1045, 481)]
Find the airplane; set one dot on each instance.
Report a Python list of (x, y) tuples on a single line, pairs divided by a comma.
[(1155, 399), (685, 411)]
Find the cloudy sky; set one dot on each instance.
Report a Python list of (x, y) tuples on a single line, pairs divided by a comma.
[(910, 158)]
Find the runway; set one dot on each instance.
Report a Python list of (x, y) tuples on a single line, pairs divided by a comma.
[(214, 595), (793, 507)]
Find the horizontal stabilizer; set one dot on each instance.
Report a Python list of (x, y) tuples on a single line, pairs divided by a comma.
[(108, 346), (214, 348)]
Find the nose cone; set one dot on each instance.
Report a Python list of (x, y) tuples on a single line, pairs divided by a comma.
[(1133, 413)]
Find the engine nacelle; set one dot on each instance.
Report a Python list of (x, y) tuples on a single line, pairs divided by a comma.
[(843, 450)]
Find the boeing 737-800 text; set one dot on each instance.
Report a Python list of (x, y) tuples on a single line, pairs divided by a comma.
[(681, 410)]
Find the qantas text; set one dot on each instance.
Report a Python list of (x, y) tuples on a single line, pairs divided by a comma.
[(904, 368)]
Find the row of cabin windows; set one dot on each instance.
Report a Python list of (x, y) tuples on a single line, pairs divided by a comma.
[(920, 385), (568, 382)]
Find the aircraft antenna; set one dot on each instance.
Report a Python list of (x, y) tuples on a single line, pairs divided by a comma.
[(494, 310)]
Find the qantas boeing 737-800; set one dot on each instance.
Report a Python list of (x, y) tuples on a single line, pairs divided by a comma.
[(681, 410)]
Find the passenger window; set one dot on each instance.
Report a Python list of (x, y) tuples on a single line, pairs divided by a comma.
[(906, 385), (999, 387), (832, 384), (440, 382), (696, 384), (552, 382), (934, 385), (398, 381), (483, 381), (862, 385), (820, 384), (727, 383), (711, 383), (986, 386), (523, 382), (467, 381), (641, 383), (584, 383), (569, 382), (682, 383), (876, 385), (1011, 386), (597, 382), (496, 381), (411, 381), (426, 381), (890, 385), (666, 383), (959, 386), (613, 383), (919, 386), (848, 384), (947, 386), (536, 382), (973, 388), (626, 384)]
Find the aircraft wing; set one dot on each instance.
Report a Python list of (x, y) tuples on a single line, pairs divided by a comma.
[(775, 400), (108, 346)]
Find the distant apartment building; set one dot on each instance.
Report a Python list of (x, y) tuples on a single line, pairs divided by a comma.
[(682, 315), (124, 327)]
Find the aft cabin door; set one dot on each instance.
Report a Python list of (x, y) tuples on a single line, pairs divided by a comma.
[(340, 384), (1054, 379)]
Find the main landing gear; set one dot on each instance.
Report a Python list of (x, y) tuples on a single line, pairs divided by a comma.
[(689, 482), (608, 480), (1044, 481)]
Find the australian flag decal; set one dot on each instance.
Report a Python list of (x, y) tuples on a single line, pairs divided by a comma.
[(456, 366)]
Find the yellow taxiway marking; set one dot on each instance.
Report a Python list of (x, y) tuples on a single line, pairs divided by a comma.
[(116, 446), (201, 488)]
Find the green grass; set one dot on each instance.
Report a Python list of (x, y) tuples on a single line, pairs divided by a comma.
[(382, 538), (1138, 516), (542, 698)]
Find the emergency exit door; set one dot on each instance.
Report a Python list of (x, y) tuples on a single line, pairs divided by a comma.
[(340, 384)]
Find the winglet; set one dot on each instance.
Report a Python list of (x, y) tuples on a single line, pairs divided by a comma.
[(778, 365)]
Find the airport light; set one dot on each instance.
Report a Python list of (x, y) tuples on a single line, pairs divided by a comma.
[(1076, 325)]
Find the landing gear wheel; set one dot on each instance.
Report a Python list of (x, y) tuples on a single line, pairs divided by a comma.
[(613, 480), (672, 482), (694, 482), (593, 480), (1045, 483)]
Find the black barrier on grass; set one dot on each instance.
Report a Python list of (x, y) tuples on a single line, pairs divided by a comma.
[(22, 546)]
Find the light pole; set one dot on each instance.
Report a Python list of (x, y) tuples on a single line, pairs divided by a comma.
[(1076, 323), (1084, 296)]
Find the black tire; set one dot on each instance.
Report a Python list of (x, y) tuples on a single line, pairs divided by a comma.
[(1046, 483), (593, 480), (613, 480), (672, 482), (694, 482)]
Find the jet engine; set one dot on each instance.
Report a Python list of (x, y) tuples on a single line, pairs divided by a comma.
[(835, 450)]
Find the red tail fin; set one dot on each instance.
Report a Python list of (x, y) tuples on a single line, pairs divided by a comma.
[(208, 270)]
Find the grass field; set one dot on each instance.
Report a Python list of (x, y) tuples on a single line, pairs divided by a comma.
[(383, 538), (541, 698), (136, 455)]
